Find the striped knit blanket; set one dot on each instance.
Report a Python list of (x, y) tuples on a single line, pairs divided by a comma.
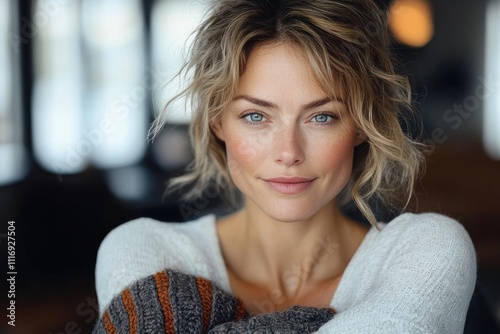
[(172, 302)]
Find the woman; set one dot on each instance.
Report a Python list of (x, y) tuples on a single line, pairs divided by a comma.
[(297, 108)]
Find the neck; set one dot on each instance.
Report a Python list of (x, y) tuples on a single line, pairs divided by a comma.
[(292, 256)]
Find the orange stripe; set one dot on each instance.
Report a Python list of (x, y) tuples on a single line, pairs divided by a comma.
[(205, 291), (162, 285), (128, 302), (239, 312), (108, 324)]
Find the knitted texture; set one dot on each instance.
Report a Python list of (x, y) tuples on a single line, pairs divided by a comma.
[(416, 275), (173, 302)]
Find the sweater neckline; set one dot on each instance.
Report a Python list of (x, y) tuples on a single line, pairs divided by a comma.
[(225, 284)]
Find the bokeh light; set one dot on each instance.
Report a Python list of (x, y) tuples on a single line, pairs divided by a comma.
[(411, 22)]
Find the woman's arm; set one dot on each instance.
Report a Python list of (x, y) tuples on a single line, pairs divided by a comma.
[(137, 249), (173, 302), (425, 286)]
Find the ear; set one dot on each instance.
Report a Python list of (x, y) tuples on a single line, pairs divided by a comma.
[(216, 127)]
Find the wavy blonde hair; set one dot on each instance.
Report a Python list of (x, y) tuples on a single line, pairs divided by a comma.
[(347, 44)]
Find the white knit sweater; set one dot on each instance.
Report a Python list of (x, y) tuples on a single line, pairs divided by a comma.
[(415, 276)]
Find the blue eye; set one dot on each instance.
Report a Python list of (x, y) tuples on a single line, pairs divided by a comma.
[(254, 117), (323, 118)]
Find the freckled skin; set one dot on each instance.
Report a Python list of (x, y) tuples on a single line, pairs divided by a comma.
[(286, 139)]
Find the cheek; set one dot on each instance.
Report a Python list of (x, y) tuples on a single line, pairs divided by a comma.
[(337, 157), (242, 153)]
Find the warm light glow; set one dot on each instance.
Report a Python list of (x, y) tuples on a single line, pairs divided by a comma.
[(411, 22)]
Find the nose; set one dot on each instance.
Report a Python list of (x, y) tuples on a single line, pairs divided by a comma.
[(288, 146)]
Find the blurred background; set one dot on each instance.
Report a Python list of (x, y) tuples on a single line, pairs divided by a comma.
[(80, 81)]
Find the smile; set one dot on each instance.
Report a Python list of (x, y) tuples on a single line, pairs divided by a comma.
[(289, 186)]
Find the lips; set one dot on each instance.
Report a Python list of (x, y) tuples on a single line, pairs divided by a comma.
[(289, 185)]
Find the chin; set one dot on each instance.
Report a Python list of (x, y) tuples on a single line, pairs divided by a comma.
[(290, 212)]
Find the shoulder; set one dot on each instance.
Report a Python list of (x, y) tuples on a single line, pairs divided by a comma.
[(147, 225), (416, 275), (432, 240), (417, 245), (432, 231), (156, 233), (431, 266), (151, 239), (430, 219), (144, 246)]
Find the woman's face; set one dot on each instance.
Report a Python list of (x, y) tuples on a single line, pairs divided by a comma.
[(288, 149)]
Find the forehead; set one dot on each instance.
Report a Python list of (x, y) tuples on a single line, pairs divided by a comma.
[(274, 66), (285, 66)]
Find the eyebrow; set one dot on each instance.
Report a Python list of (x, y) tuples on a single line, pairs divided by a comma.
[(270, 105)]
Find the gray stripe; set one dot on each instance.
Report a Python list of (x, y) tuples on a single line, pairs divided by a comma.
[(186, 303), (99, 327), (223, 307), (149, 313), (118, 314)]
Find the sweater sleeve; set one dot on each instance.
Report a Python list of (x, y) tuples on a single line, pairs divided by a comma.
[(137, 249), (424, 286)]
